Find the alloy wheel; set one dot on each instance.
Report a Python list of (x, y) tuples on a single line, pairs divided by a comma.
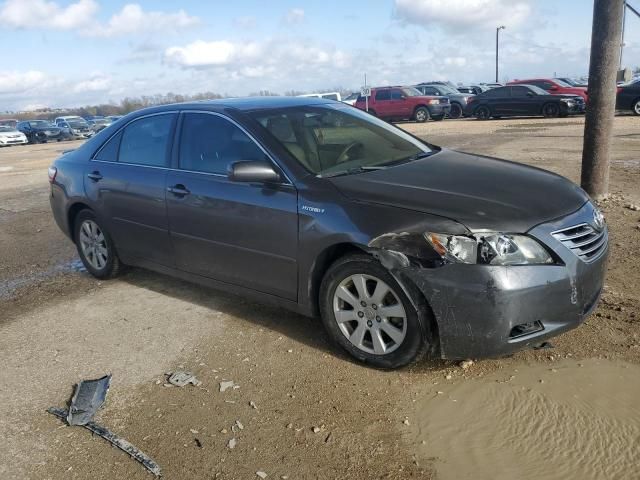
[(93, 244), (421, 116), (370, 314), (636, 108)]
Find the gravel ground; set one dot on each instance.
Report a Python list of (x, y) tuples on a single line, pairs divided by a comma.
[(307, 411)]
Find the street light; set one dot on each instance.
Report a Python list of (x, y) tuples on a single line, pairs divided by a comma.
[(501, 27)]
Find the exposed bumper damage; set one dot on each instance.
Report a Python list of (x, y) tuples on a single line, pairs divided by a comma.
[(485, 310)]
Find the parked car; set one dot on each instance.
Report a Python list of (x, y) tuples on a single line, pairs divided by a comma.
[(553, 86), (403, 248), (11, 136), (491, 85), (457, 100), (628, 97), (328, 95), (571, 82), (351, 99), (74, 126), (41, 131), (404, 103), (522, 100), (99, 123), (9, 122), (472, 89)]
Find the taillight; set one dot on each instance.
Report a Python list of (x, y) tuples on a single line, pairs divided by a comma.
[(618, 89), (53, 171)]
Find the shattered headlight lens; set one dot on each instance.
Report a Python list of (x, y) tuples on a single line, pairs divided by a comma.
[(489, 249)]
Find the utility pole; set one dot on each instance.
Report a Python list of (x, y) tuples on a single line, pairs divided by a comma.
[(605, 57), (501, 27)]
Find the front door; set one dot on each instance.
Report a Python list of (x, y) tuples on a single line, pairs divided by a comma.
[(240, 233), (126, 182)]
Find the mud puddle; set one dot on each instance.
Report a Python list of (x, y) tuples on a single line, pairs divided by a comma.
[(570, 420), (9, 287)]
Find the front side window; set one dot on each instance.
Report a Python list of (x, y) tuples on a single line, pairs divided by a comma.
[(210, 144), (146, 141), (335, 139), (396, 94), (519, 91)]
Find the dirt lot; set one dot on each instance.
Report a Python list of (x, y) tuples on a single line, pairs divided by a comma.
[(570, 412)]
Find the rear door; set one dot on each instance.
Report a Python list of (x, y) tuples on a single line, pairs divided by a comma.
[(383, 105), (125, 181), (244, 234), (499, 100)]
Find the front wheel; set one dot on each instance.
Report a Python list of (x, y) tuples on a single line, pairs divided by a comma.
[(421, 115), (95, 246), (636, 107), (551, 110), (456, 111), (368, 313)]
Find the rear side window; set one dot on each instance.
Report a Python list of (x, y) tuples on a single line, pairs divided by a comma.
[(109, 151), (396, 94), (497, 92), (382, 95), (146, 141), (210, 144), (519, 91)]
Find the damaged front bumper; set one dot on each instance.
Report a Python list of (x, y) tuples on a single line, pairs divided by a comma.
[(484, 311)]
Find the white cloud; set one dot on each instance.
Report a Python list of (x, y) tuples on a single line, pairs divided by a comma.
[(19, 82), (294, 16), (133, 19), (23, 14), (81, 16), (206, 54), (457, 15), (96, 83)]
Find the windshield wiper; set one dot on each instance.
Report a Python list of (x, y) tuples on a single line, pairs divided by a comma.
[(351, 171), (412, 158)]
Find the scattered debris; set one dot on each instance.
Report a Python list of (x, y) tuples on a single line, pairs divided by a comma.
[(112, 438), (448, 376), (252, 404), (327, 438), (232, 443), (88, 397), (224, 386), (194, 431), (198, 442), (466, 364), (261, 474), (315, 429), (238, 425), (180, 379), (632, 206), (406, 420)]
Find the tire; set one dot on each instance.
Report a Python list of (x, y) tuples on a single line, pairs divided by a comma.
[(635, 107), (102, 263), (456, 111), (482, 113), (411, 331), (550, 110), (421, 115)]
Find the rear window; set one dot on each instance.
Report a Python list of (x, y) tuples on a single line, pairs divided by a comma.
[(382, 95)]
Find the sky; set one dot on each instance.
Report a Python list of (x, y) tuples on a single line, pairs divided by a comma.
[(59, 53)]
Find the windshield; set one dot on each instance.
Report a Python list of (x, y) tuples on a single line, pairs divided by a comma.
[(538, 90), (337, 139), (77, 122), (41, 123), (446, 90), (5, 128), (562, 83), (412, 92)]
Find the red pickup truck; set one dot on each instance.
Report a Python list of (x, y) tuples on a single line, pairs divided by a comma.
[(554, 86), (404, 103)]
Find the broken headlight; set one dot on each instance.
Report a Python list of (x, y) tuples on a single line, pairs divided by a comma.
[(489, 249)]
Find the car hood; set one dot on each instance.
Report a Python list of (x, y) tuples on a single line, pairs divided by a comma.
[(12, 133), (479, 192)]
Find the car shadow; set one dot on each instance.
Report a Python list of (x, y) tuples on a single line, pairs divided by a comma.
[(308, 331)]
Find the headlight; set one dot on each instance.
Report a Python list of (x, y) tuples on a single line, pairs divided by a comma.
[(489, 249), (434, 101)]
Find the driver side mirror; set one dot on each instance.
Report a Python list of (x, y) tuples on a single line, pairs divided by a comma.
[(553, 87), (252, 171)]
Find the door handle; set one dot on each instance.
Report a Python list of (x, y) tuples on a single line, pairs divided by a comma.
[(179, 190), (95, 176)]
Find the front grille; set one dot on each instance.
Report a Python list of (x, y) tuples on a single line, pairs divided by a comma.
[(583, 240)]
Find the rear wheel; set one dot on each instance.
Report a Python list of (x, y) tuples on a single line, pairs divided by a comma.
[(456, 110), (483, 113), (636, 107), (368, 313), (551, 110), (421, 115), (95, 246)]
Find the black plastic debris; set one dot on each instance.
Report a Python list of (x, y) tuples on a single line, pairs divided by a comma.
[(88, 397), (544, 346), (116, 441)]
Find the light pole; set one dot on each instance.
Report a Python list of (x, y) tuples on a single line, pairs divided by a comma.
[(501, 27)]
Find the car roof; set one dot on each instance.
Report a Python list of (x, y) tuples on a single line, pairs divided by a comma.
[(258, 103)]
